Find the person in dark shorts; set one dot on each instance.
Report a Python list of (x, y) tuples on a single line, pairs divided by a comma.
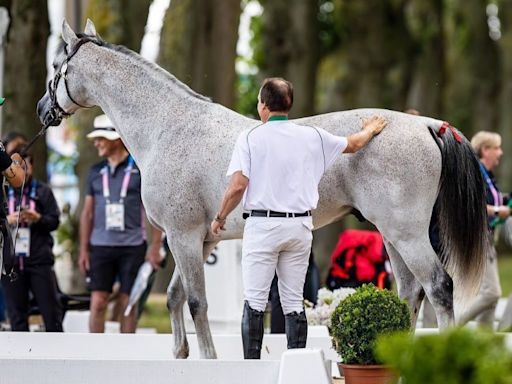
[(112, 232), (33, 213)]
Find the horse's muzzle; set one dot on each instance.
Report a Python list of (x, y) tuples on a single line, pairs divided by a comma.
[(47, 115)]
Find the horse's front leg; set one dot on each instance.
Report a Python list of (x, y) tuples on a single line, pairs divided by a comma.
[(188, 251), (175, 299)]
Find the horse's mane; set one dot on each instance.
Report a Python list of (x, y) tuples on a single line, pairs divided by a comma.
[(140, 59)]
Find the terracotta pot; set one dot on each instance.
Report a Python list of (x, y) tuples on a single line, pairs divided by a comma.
[(366, 374)]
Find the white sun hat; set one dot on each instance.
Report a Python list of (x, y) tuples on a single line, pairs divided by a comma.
[(104, 128)]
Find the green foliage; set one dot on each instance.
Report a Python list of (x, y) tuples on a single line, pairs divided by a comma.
[(67, 234), (363, 316), (156, 314), (457, 356), (247, 88)]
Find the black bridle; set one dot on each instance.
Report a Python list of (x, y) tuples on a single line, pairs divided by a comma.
[(56, 113)]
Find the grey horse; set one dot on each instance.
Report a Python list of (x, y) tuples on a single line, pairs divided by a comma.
[(182, 143)]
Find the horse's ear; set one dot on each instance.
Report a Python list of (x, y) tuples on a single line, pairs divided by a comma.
[(68, 35), (90, 29)]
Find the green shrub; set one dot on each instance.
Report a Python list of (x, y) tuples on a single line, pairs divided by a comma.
[(358, 320), (453, 357)]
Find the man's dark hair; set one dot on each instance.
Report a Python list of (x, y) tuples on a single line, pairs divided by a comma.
[(13, 135), (27, 156), (277, 94)]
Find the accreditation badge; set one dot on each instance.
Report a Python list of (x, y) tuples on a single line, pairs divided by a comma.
[(114, 217), (22, 242)]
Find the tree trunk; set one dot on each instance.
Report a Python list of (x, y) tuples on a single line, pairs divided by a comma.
[(25, 73), (290, 47), (198, 46), (504, 128), (371, 66), (473, 68), (428, 82), (120, 21)]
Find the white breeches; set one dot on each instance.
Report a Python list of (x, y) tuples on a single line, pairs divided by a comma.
[(273, 244)]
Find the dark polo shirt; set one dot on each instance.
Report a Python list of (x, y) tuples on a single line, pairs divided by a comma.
[(5, 162), (134, 233)]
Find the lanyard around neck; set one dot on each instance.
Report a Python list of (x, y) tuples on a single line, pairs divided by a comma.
[(496, 196), (31, 195), (124, 186)]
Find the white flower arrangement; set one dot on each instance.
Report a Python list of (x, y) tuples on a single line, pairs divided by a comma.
[(320, 314)]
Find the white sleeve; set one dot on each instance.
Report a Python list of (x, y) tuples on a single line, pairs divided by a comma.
[(332, 146), (240, 159)]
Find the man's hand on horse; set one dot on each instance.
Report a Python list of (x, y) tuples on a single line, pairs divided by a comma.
[(375, 124), (218, 225)]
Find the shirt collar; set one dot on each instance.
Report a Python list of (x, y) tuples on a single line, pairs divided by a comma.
[(277, 118)]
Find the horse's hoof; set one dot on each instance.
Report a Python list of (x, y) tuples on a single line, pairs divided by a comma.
[(181, 353)]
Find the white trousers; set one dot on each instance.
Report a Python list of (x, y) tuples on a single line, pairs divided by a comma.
[(273, 244), (484, 305)]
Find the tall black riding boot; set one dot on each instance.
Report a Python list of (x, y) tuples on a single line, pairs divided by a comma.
[(296, 329), (252, 332)]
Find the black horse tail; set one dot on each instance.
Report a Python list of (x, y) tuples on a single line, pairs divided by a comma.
[(461, 211)]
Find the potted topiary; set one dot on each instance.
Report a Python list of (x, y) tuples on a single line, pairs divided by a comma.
[(357, 322)]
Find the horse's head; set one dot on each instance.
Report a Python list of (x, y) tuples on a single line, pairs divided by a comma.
[(65, 92)]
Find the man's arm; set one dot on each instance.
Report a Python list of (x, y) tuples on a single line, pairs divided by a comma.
[(153, 253), (48, 218), (232, 197), (86, 221), (15, 173), (371, 127), (501, 211)]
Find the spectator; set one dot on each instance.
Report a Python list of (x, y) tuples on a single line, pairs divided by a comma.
[(33, 214), (112, 232)]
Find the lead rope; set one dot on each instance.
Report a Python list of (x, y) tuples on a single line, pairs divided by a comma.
[(12, 274)]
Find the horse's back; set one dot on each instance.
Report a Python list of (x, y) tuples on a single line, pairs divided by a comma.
[(399, 170)]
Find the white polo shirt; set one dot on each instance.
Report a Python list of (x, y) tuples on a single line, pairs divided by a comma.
[(284, 163)]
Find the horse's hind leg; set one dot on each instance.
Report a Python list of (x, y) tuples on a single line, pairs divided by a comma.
[(418, 255), (409, 288)]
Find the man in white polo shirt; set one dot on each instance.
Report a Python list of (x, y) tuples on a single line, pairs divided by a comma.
[(276, 167)]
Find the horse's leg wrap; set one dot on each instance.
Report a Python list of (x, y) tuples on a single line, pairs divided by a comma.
[(252, 332), (296, 326)]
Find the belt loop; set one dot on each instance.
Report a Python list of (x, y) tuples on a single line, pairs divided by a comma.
[(268, 213)]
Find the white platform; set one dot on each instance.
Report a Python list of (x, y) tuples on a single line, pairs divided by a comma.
[(40, 345), (115, 358)]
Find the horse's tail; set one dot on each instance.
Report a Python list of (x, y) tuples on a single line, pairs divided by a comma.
[(461, 210)]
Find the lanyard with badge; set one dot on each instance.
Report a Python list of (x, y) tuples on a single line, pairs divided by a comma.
[(114, 212), (22, 239), (496, 196)]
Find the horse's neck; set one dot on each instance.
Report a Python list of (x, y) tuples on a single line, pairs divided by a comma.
[(142, 100)]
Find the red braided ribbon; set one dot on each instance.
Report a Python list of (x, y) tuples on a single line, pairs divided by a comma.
[(446, 126)]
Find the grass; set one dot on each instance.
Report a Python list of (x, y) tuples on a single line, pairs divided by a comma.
[(156, 316), (505, 270)]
